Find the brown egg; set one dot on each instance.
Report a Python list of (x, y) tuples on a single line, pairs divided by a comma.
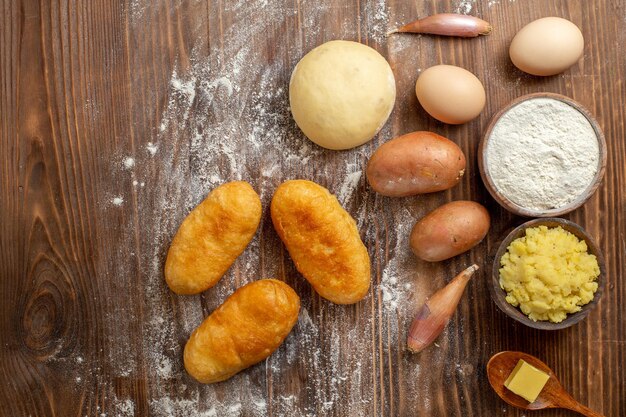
[(450, 94), (547, 46)]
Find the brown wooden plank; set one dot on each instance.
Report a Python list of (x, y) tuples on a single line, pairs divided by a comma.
[(116, 118)]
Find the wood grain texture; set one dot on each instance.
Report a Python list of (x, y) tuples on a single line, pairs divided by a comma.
[(195, 93)]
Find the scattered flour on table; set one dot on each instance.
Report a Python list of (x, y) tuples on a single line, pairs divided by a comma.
[(226, 117), (228, 114), (496, 2), (129, 162), (398, 44), (224, 83), (396, 286), (349, 185), (377, 16), (469, 6), (542, 154), (125, 408), (117, 201), (465, 6), (152, 148)]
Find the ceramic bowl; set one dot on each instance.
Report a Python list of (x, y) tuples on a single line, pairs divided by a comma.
[(498, 294), (528, 212)]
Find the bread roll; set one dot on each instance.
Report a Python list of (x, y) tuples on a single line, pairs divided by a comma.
[(250, 325), (323, 240), (211, 237)]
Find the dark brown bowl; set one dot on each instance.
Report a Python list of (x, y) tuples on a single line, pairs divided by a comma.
[(498, 294), (527, 212)]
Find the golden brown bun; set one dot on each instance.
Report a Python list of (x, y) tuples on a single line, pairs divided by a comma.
[(323, 240), (211, 237), (247, 328)]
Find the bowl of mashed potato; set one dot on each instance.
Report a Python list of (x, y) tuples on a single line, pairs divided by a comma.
[(547, 274)]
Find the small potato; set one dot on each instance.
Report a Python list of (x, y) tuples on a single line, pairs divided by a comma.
[(415, 163), (211, 237), (449, 230), (323, 240), (250, 325)]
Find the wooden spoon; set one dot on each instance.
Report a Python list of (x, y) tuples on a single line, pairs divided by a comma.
[(553, 395)]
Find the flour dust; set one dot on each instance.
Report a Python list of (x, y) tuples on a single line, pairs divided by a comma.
[(226, 117)]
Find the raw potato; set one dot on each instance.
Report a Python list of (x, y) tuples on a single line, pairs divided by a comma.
[(323, 241), (415, 163), (341, 94), (449, 230), (250, 325), (211, 237)]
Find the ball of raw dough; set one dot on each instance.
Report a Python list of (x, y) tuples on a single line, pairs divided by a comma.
[(341, 94)]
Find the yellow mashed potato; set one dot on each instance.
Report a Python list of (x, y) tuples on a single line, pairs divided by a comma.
[(548, 273)]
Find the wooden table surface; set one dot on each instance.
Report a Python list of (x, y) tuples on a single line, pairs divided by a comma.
[(117, 117)]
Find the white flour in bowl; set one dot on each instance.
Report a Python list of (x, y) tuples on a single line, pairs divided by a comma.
[(542, 154)]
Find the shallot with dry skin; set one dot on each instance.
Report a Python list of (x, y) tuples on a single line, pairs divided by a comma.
[(435, 314), (447, 24)]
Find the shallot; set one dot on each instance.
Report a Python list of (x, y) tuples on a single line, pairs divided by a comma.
[(435, 314), (447, 24)]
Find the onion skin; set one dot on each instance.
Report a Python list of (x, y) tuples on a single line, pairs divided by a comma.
[(447, 24), (436, 312)]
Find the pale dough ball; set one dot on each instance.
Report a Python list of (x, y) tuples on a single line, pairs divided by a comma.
[(341, 94)]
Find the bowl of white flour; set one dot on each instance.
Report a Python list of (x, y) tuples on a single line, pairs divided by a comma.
[(543, 155)]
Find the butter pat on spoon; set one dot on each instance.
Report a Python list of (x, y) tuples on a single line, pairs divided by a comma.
[(553, 395)]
